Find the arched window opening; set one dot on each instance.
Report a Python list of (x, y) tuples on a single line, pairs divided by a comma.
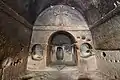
[(86, 50), (37, 52)]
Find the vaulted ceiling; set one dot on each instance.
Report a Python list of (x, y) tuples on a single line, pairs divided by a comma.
[(91, 10)]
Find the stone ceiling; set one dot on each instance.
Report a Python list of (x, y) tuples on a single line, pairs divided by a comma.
[(91, 10)]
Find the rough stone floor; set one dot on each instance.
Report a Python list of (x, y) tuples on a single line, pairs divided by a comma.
[(64, 75)]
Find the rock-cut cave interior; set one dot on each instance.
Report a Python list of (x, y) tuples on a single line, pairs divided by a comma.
[(59, 39)]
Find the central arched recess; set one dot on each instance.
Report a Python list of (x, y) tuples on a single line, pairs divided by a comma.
[(61, 49)]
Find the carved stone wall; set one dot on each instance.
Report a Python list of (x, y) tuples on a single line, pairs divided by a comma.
[(106, 40), (38, 38), (106, 35), (109, 63), (15, 35), (56, 20)]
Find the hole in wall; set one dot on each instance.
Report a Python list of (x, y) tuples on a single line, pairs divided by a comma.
[(106, 59), (88, 39), (115, 61), (86, 50), (110, 60), (115, 77), (83, 37), (37, 52), (37, 49), (78, 37), (104, 54)]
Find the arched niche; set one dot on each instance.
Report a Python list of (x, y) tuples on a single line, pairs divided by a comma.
[(37, 52), (64, 41)]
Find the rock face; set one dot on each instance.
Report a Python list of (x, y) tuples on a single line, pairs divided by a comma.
[(92, 10), (89, 51), (15, 34), (61, 19), (65, 28), (107, 34)]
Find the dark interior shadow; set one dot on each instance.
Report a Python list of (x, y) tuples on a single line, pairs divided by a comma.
[(84, 79)]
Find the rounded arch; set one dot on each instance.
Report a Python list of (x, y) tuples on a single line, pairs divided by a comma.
[(35, 45), (69, 35), (86, 50), (38, 48), (66, 36), (61, 15), (37, 52)]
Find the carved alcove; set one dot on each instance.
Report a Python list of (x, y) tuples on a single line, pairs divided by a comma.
[(61, 49)]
